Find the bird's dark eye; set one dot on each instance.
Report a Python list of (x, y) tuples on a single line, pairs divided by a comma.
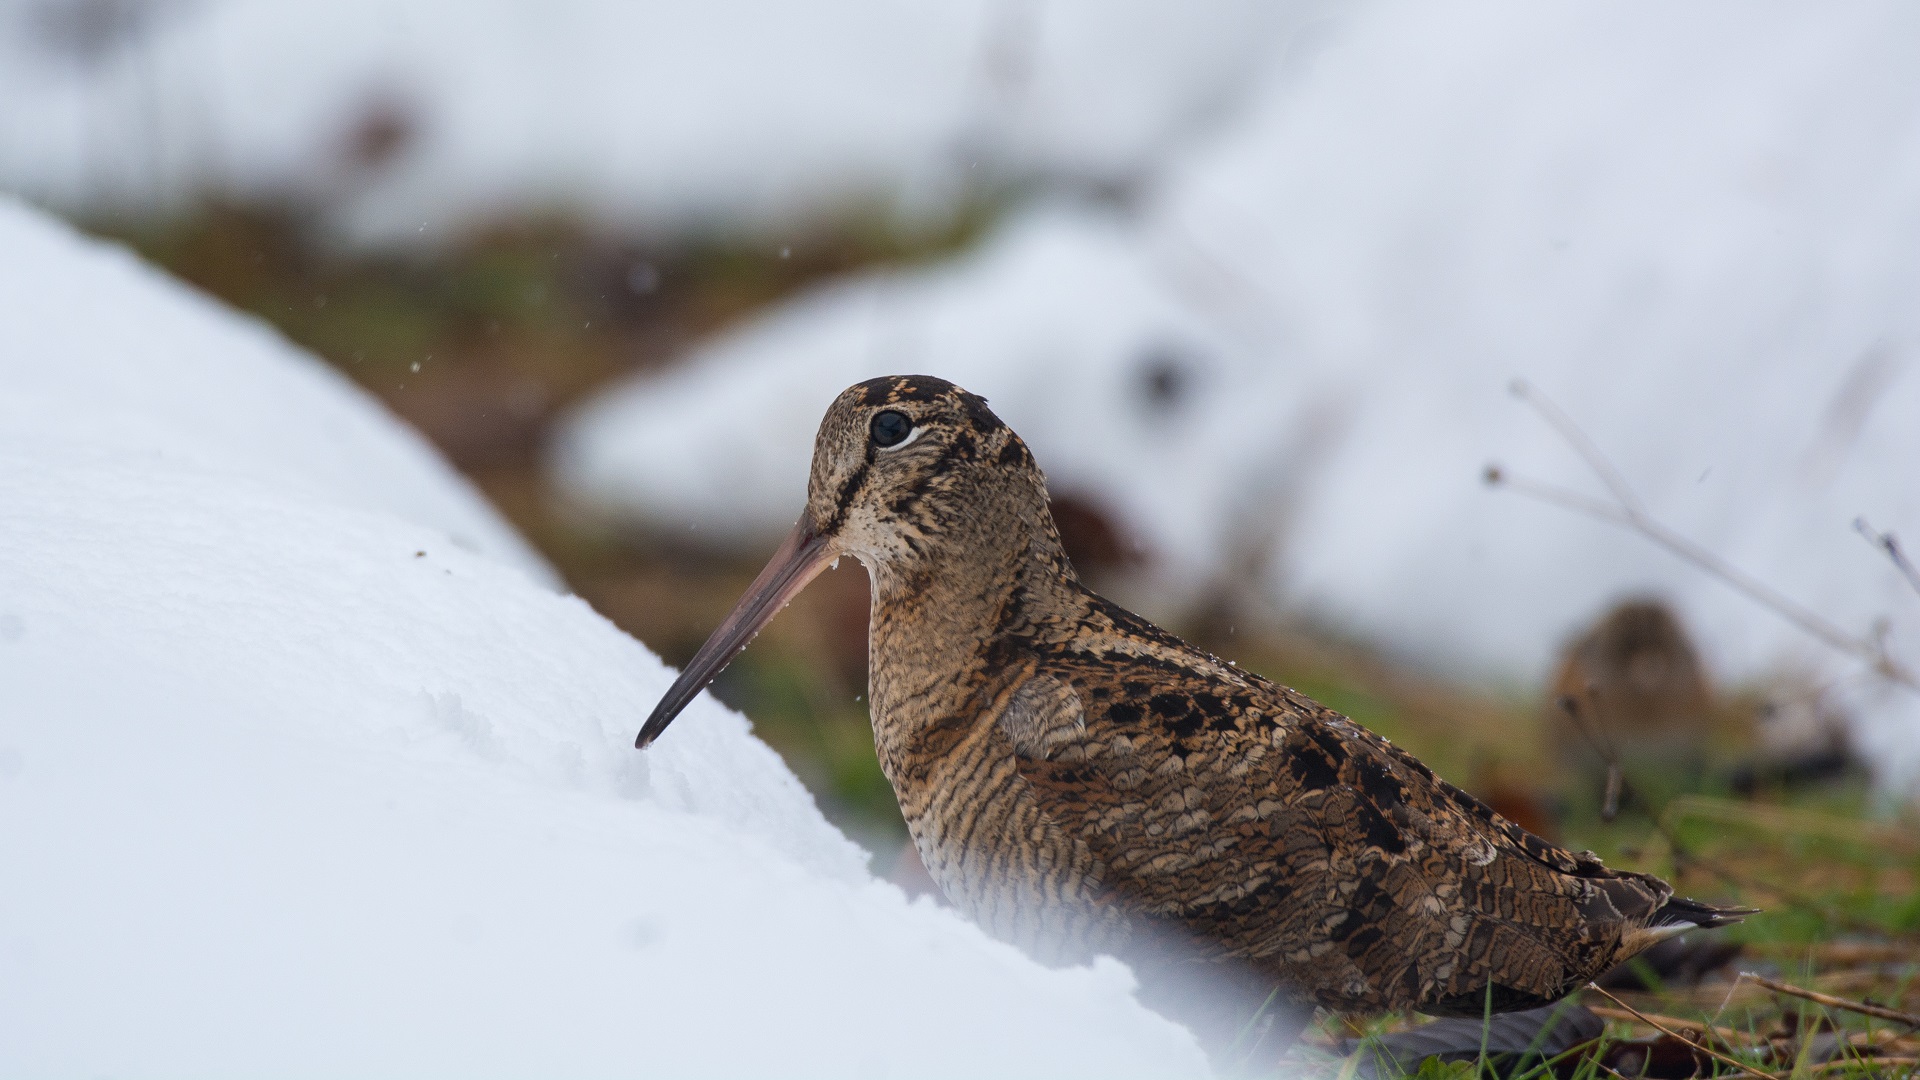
[(890, 427)]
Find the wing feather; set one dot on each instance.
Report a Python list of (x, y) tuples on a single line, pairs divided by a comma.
[(1281, 833)]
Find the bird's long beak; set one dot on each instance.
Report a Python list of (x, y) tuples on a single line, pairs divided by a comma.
[(801, 557)]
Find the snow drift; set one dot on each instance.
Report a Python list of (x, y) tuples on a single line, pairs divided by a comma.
[(1697, 230), (414, 117), (98, 346), (294, 782)]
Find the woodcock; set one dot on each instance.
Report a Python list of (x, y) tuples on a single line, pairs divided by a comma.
[(1079, 781)]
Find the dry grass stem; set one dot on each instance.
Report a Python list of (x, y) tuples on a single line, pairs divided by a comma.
[(1744, 1068), (1726, 1035), (1831, 1002)]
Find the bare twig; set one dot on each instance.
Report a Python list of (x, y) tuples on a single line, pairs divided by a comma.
[(1581, 444), (1610, 801), (1726, 1035), (1663, 1029), (1890, 544), (1831, 1002), (1616, 779), (1627, 510), (1571, 706)]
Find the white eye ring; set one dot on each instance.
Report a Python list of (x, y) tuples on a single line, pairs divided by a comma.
[(906, 442)]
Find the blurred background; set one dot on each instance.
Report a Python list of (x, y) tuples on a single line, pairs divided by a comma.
[(1532, 382)]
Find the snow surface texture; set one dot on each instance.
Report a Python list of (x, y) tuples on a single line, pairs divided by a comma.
[(94, 342), (656, 113), (1697, 229), (293, 784)]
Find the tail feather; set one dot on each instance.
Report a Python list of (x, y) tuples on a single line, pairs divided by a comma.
[(1683, 914), (1675, 917)]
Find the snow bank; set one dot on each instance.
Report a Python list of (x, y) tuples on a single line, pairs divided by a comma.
[(1697, 229), (730, 112), (94, 342), (292, 783)]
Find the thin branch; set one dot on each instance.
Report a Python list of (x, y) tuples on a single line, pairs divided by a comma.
[(1616, 777), (1628, 511), (1831, 1002), (1600, 745), (1581, 444), (1714, 1054), (1727, 1035), (1890, 544), (1652, 529)]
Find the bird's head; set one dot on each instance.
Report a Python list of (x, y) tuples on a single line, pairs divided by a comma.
[(906, 469)]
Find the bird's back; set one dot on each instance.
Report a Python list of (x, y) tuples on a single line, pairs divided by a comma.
[(1142, 789)]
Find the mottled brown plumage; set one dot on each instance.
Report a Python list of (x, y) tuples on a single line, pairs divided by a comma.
[(1079, 781)]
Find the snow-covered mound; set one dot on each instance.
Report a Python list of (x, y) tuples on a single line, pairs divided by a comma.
[(291, 783), (421, 114), (95, 342), (1697, 229)]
